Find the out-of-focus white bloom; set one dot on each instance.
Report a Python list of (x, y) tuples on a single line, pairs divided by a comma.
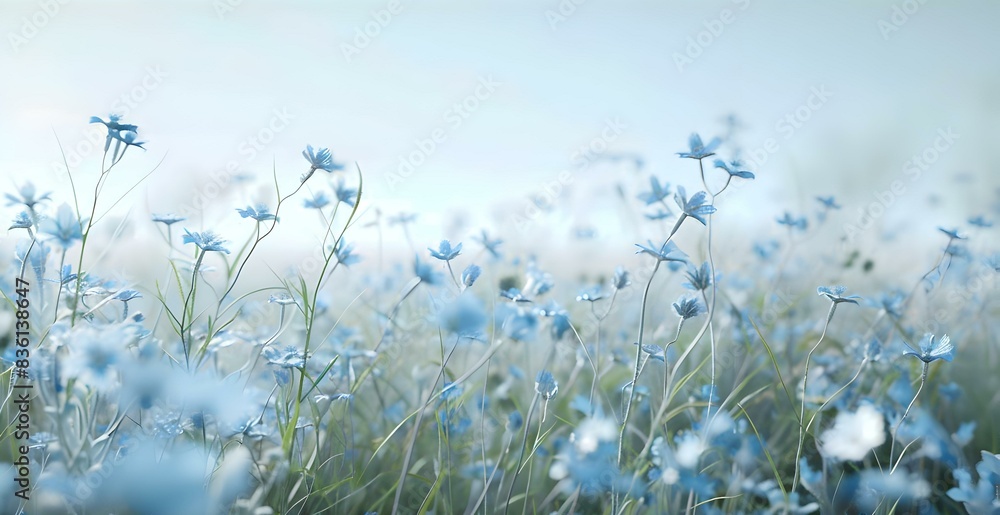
[(589, 435), (854, 435), (689, 449)]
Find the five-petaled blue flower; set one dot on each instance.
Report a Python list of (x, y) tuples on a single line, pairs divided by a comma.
[(115, 130), (836, 294), (698, 149), (321, 159), (445, 252), (491, 246), (207, 241), (733, 168), (695, 207), (932, 349)]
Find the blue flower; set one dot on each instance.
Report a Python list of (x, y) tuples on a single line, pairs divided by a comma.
[(207, 241), (27, 196), (981, 222), (932, 349), (546, 385), (666, 252), (835, 294), (698, 149), (425, 272), (345, 194), (402, 219), (655, 351), (979, 497), (115, 130), (491, 246), (733, 168), (65, 227), (445, 252), (168, 219), (657, 192), (127, 295), (952, 233), (695, 207), (828, 202), (321, 159), (289, 357), (800, 223), (699, 277), (259, 213), (345, 253), (621, 278), (21, 221), (319, 201), (470, 274), (514, 421), (687, 308)]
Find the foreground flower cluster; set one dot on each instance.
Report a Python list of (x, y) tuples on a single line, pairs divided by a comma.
[(472, 380)]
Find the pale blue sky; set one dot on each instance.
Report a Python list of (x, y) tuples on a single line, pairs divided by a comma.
[(224, 77)]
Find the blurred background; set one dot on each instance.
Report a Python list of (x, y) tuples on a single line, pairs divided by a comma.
[(534, 119)]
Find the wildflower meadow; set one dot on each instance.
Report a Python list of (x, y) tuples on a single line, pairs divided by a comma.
[(638, 336)]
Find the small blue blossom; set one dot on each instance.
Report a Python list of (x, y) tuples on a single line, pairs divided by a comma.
[(289, 357), (470, 274), (65, 227), (491, 246), (259, 213), (621, 278), (699, 277), (835, 294), (695, 207), (344, 194), (207, 241), (699, 150), (932, 349), (733, 168), (688, 308), (168, 219), (793, 223), (546, 385), (666, 252), (320, 159), (445, 251), (981, 222), (828, 202), (26, 195), (953, 233), (21, 221), (657, 191), (318, 201), (345, 253)]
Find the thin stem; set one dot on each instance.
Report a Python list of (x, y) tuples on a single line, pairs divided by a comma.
[(895, 430), (805, 383)]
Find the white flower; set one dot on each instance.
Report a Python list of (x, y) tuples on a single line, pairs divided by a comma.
[(589, 435), (854, 435)]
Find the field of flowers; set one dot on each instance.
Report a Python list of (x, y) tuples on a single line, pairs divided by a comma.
[(794, 375)]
